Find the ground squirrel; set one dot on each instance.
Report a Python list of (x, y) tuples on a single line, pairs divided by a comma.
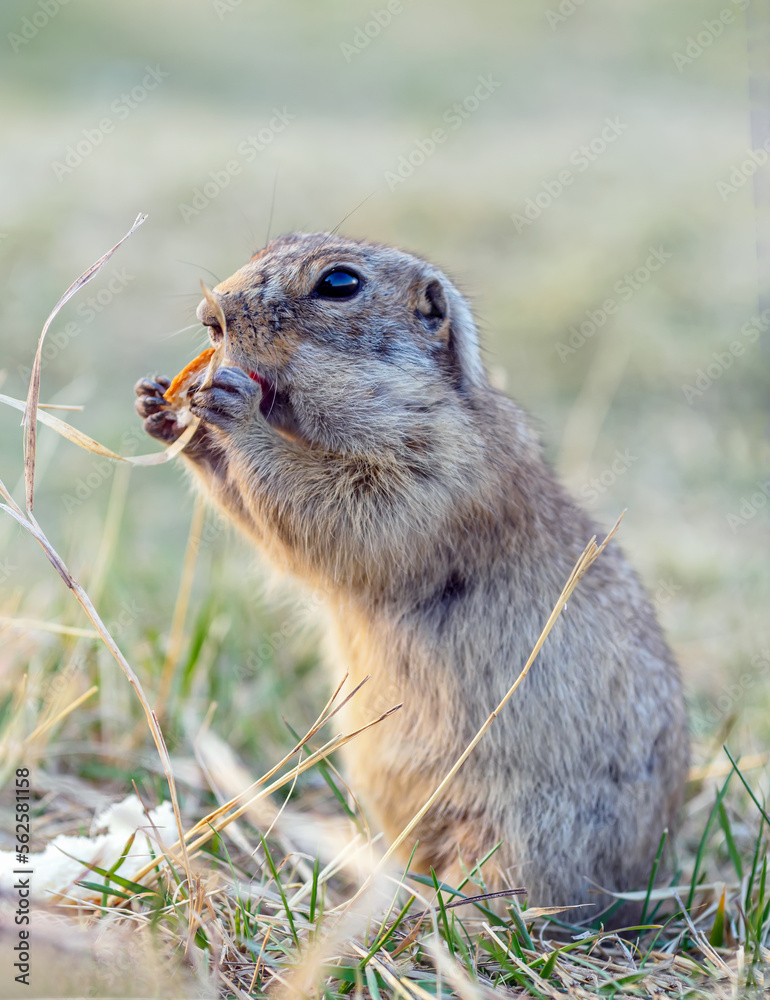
[(354, 435)]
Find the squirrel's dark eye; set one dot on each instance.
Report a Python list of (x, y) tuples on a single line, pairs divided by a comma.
[(339, 284)]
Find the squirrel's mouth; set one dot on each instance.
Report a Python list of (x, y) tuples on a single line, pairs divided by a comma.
[(277, 408), (276, 405), (267, 405), (269, 394)]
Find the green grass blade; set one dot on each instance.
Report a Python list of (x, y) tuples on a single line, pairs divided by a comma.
[(99, 887), (704, 838), (717, 935), (476, 870), (760, 902), (521, 927), (125, 883), (314, 890), (732, 850), (326, 774), (746, 785), (653, 873), (444, 918), (371, 982), (545, 972), (383, 939), (281, 891)]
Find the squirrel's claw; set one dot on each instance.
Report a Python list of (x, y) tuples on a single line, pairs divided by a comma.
[(231, 398), (162, 425)]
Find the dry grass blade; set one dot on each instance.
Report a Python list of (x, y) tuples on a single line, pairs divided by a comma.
[(219, 353), (28, 522), (329, 711), (159, 457), (217, 821), (89, 444), (66, 430), (176, 637), (720, 769), (484, 896), (50, 723), (33, 625), (30, 413), (539, 983)]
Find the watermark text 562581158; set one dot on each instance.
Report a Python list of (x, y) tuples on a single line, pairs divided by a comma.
[(22, 871)]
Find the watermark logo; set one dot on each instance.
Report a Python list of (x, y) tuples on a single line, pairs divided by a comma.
[(713, 28), (248, 150), (121, 108), (749, 507), (32, 26), (129, 612), (722, 361), (733, 695), (453, 117), (581, 158), (741, 172), (593, 489), (366, 33), (565, 10), (625, 289), (101, 471), (87, 311), (225, 7), (7, 569)]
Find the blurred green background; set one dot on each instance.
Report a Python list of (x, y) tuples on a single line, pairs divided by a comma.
[(112, 109)]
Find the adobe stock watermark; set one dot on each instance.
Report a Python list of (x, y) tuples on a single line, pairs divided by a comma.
[(270, 643), (7, 569), (635, 619), (120, 109), (581, 158), (214, 525), (454, 117), (225, 7), (129, 612), (741, 172), (87, 311), (101, 472), (749, 507), (248, 150), (364, 34), (564, 11), (664, 593), (733, 695), (61, 680), (597, 485), (625, 289), (722, 361), (712, 28), (32, 26)]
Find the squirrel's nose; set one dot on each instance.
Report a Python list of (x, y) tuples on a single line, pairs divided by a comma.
[(208, 317)]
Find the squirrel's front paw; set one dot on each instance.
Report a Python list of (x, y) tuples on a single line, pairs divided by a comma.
[(159, 419), (231, 398)]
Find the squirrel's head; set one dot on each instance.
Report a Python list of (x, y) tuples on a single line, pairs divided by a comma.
[(355, 344)]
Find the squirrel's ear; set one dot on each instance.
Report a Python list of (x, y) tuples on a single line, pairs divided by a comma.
[(432, 304), (447, 316)]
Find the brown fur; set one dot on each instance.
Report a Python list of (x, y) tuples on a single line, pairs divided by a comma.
[(388, 472)]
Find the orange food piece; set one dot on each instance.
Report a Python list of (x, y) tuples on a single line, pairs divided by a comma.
[(176, 393)]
